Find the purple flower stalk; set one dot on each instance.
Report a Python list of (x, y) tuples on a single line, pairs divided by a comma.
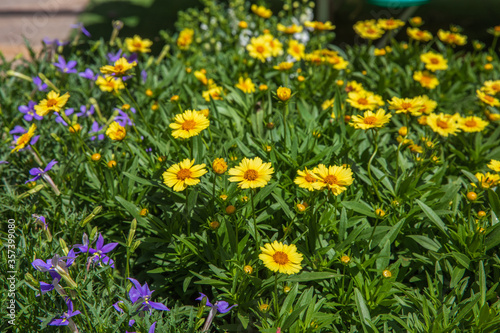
[(65, 67), (142, 294), (80, 27), (96, 128), (84, 112), (39, 83), (38, 173), (29, 111), (65, 319), (88, 74)]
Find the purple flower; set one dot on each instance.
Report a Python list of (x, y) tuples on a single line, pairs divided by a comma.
[(112, 57), (99, 253), (56, 42), (46, 287), (29, 111), (117, 308), (133, 57), (144, 76), (65, 67), (88, 74), (86, 112), (142, 294), (39, 83), (38, 173), (54, 264), (38, 218), (67, 112), (221, 306), (65, 319), (95, 129), (151, 328), (4, 162), (80, 27), (123, 118)]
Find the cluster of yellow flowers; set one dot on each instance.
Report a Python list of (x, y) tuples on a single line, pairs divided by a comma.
[(333, 178), (362, 99), (488, 91), (264, 46), (488, 179), (328, 57), (371, 29)]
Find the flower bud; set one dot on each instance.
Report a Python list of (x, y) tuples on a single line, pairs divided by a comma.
[(230, 209), (283, 93), (219, 166), (403, 131), (214, 225), (472, 196), (248, 269), (96, 157), (387, 273)]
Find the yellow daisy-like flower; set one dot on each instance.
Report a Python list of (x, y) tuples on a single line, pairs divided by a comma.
[(259, 48), (327, 104), (472, 124), (279, 257), (120, 67), (274, 44), (188, 124), (185, 38), (370, 120), (334, 178), (491, 87), (353, 86), (214, 91), (137, 44), (368, 29), (494, 165), (284, 93), (200, 76), (434, 61), (116, 132), (53, 102), (426, 79), (24, 139), (429, 105), (245, 85), (451, 38), (251, 173), (363, 100), (419, 35), (180, 176), (296, 49), (338, 62), (389, 24), (487, 180), (308, 180), (219, 166), (261, 11), (283, 66), (319, 26), (110, 83), (487, 99), (443, 124), (290, 30), (407, 105)]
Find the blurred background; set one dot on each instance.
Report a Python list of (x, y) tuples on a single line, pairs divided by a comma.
[(38, 19)]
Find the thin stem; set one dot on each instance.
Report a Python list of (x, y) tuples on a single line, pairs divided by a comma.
[(187, 215), (276, 309), (285, 113), (373, 233), (138, 109), (375, 137), (255, 222)]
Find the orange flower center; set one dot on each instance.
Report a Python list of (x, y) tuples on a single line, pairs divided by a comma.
[(260, 49), (370, 31), (363, 101), (251, 175), (425, 80), (280, 258), (51, 102), (405, 105), (496, 87), (442, 124), (420, 33), (188, 125), (119, 68), (183, 174), (434, 61), (471, 123), (23, 139), (370, 120), (137, 44), (309, 178), (331, 180), (488, 98)]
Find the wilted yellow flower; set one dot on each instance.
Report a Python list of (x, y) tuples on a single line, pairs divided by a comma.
[(426, 79), (180, 176), (279, 257), (451, 38), (284, 93), (261, 11), (137, 44), (370, 120), (334, 178), (188, 124), (53, 102), (110, 83), (120, 67), (245, 85), (185, 38), (472, 124), (219, 166), (443, 124), (251, 173), (434, 61), (389, 24), (419, 35)]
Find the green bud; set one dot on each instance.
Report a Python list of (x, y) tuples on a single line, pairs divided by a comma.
[(136, 245), (63, 246), (29, 192), (93, 233)]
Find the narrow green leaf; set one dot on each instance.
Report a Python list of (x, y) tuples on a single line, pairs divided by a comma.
[(433, 217)]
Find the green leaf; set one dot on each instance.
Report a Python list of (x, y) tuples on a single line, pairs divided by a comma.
[(283, 205), (426, 242), (494, 202), (359, 207), (309, 276), (436, 220), (363, 311), (493, 237)]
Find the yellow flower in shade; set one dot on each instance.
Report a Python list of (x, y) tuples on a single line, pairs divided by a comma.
[(406, 105), (245, 85), (308, 180), (185, 38), (259, 48), (251, 173), (205, 112), (494, 165), (379, 52), (334, 178), (443, 124), (368, 29), (219, 166), (434, 61), (120, 67), (419, 35), (491, 87), (296, 49), (283, 66), (24, 139), (116, 132), (363, 100), (261, 11), (214, 91), (451, 38), (319, 26), (487, 99), (429, 105), (279, 257), (353, 86), (292, 29), (53, 102), (472, 124), (370, 120), (283, 93), (487, 180), (328, 104), (110, 84), (417, 20), (426, 79), (389, 24), (137, 44), (188, 124), (180, 176)]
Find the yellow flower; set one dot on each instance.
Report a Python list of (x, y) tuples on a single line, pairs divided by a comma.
[(494, 165), (201, 77), (283, 93), (261, 11), (219, 166), (429, 105), (296, 49), (363, 100), (245, 85), (110, 83), (345, 259), (370, 120), (214, 92), (379, 52), (451, 38), (53, 102), (116, 132), (279, 257), (259, 48), (174, 98), (274, 44), (434, 61), (248, 269), (416, 149), (188, 124), (472, 124), (426, 79), (319, 26), (292, 29), (251, 173), (491, 87), (283, 66), (24, 139), (353, 86), (368, 29), (334, 178), (308, 180), (185, 38), (389, 24), (406, 105), (120, 67), (263, 87), (205, 112), (488, 67), (487, 180), (387, 273), (328, 104), (74, 128), (111, 164), (487, 99), (180, 176), (419, 35), (417, 20), (137, 44), (443, 124)]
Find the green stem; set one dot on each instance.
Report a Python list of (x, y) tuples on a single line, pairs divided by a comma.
[(373, 232), (276, 309), (138, 109), (187, 215), (375, 137), (255, 222), (285, 113)]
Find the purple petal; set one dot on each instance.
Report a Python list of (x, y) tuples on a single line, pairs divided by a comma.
[(100, 242), (18, 130), (117, 308), (158, 306), (222, 306), (34, 139), (58, 322), (23, 108), (34, 179), (45, 287), (71, 64), (35, 171), (50, 165), (108, 247), (152, 328), (77, 312), (201, 298), (131, 322)]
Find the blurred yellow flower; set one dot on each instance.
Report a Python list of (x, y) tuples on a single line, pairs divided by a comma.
[(243, 24), (494, 165), (487, 180), (109, 83), (426, 79), (370, 120), (308, 180), (491, 87), (180, 176), (263, 87), (219, 166), (279, 257), (120, 67), (137, 44), (428, 106), (434, 61), (389, 24), (334, 178), (319, 26), (292, 29), (188, 124), (363, 100), (283, 66), (251, 173), (443, 124), (24, 139), (245, 85), (283, 93), (407, 105), (451, 38), (185, 38), (472, 124), (368, 29), (419, 35), (116, 132), (261, 11), (327, 104), (487, 99), (214, 91), (259, 48), (53, 102)]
